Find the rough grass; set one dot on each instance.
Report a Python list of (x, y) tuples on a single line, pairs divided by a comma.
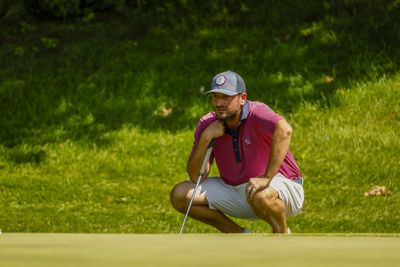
[(344, 152), (123, 184), (97, 119)]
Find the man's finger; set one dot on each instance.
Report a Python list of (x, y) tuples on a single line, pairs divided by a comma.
[(248, 191), (251, 192)]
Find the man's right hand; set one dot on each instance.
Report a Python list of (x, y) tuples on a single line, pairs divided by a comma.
[(214, 130)]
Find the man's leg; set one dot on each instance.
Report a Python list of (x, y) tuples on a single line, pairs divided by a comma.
[(267, 205), (180, 197)]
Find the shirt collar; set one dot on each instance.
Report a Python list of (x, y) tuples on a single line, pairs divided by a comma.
[(243, 115), (245, 111)]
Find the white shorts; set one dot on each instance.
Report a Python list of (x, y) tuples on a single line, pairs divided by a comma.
[(232, 200)]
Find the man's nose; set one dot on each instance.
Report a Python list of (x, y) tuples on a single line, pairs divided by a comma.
[(219, 101)]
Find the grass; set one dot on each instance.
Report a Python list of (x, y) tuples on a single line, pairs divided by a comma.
[(174, 250), (72, 198), (97, 118), (353, 147), (79, 186)]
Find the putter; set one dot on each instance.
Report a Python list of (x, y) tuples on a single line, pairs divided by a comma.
[(202, 171)]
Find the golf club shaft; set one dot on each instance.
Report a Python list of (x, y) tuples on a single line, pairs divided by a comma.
[(202, 171)]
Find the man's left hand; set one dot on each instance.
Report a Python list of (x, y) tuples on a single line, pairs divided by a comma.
[(256, 184)]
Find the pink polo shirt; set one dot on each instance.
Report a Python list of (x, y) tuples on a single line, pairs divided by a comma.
[(244, 153)]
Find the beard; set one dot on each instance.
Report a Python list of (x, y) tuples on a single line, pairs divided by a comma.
[(225, 115)]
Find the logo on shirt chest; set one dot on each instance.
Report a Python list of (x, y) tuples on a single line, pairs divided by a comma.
[(247, 141)]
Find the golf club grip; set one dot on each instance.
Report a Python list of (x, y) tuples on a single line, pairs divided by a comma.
[(212, 142), (206, 157)]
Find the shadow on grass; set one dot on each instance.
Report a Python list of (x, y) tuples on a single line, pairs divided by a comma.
[(56, 86)]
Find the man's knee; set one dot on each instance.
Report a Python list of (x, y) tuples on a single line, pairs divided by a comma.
[(265, 199), (178, 195)]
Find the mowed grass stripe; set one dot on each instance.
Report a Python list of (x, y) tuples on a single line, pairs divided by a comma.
[(197, 250)]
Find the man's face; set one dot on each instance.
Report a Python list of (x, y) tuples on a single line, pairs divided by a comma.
[(228, 107)]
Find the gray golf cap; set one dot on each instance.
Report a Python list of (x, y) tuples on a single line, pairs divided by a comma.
[(227, 83)]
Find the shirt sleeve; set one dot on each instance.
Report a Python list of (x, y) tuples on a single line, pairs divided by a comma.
[(265, 118)]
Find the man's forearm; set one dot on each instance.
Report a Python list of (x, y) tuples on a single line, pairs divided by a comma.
[(195, 161), (279, 147)]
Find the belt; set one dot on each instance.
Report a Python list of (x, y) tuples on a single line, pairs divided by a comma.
[(298, 180)]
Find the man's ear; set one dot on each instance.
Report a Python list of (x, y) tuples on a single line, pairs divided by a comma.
[(243, 98)]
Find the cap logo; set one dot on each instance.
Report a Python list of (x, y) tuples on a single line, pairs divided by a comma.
[(220, 80)]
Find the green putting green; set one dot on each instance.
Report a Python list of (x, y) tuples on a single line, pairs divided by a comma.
[(197, 250)]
